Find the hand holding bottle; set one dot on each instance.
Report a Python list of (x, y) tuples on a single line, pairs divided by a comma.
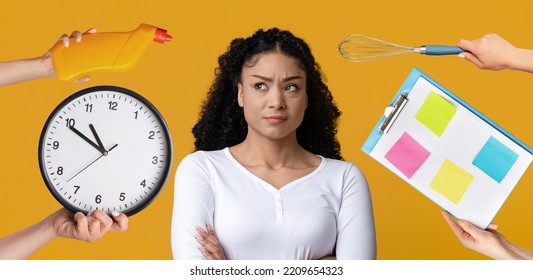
[(21, 70), (74, 57), (103, 51), (76, 35)]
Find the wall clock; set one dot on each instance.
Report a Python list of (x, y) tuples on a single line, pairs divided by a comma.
[(106, 148)]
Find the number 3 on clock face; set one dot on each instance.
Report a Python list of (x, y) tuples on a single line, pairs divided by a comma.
[(105, 148)]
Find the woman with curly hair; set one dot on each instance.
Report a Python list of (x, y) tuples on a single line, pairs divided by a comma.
[(267, 180)]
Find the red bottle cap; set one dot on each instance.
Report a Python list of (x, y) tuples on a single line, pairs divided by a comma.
[(162, 36)]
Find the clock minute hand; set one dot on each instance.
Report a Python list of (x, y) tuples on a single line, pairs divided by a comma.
[(101, 149)]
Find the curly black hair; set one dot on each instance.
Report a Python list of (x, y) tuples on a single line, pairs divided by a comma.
[(221, 122)]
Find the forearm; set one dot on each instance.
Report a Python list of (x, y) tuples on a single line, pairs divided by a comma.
[(23, 243), (523, 60), (519, 253), (16, 71)]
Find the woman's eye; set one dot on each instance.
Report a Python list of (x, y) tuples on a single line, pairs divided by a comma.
[(291, 88), (260, 86)]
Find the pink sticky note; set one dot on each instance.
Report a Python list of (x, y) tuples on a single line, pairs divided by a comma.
[(407, 155)]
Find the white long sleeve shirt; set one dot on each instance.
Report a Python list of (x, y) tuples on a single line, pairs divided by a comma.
[(327, 212)]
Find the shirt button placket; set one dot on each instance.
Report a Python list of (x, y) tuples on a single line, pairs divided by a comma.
[(279, 207)]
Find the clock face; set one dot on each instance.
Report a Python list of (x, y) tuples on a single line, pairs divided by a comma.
[(105, 148)]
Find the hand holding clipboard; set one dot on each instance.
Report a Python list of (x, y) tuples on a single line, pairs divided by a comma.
[(448, 151)]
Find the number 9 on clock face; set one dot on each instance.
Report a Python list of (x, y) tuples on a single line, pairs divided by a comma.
[(105, 148)]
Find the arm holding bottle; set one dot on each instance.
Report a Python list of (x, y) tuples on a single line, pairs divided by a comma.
[(21, 70), (62, 223)]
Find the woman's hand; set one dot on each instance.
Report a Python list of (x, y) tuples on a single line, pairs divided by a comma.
[(48, 62), (21, 70), (488, 242), (86, 228), (489, 52), (210, 247)]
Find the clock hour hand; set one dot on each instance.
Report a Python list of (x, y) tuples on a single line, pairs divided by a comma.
[(99, 148), (91, 126)]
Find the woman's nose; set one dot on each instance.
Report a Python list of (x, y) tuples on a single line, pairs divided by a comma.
[(276, 99)]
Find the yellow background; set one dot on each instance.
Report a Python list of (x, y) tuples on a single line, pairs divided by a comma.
[(175, 77)]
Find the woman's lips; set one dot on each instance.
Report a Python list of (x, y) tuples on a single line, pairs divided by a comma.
[(275, 119)]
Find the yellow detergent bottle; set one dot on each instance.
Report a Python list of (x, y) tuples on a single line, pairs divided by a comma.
[(104, 51)]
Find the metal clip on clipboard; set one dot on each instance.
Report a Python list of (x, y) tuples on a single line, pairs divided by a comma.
[(392, 115)]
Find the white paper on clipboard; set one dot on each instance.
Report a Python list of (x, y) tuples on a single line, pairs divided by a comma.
[(448, 151)]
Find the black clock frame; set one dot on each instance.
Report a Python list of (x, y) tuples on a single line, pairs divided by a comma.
[(157, 114)]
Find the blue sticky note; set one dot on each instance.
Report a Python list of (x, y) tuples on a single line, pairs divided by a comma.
[(495, 159)]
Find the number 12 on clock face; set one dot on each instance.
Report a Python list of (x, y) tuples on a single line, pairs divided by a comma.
[(105, 148)]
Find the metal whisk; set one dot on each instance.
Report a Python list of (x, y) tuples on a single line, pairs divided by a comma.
[(359, 48)]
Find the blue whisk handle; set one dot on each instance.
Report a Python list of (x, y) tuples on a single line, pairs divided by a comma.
[(440, 50)]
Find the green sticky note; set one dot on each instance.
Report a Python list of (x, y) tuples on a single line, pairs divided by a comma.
[(451, 181), (435, 113)]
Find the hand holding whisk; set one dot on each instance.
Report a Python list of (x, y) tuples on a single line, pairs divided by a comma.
[(359, 48)]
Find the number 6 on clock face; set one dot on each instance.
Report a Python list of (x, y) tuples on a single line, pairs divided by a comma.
[(105, 148)]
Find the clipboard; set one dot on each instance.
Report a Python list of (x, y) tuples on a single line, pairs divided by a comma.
[(447, 150)]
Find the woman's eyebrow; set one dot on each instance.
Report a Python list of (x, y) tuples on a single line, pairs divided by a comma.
[(290, 78)]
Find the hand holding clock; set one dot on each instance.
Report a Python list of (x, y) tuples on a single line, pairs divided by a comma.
[(62, 223), (86, 228)]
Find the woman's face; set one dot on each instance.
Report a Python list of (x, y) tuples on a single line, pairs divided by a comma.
[(273, 95)]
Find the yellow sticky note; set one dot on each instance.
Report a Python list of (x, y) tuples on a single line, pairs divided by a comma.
[(451, 181), (435, 113)]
